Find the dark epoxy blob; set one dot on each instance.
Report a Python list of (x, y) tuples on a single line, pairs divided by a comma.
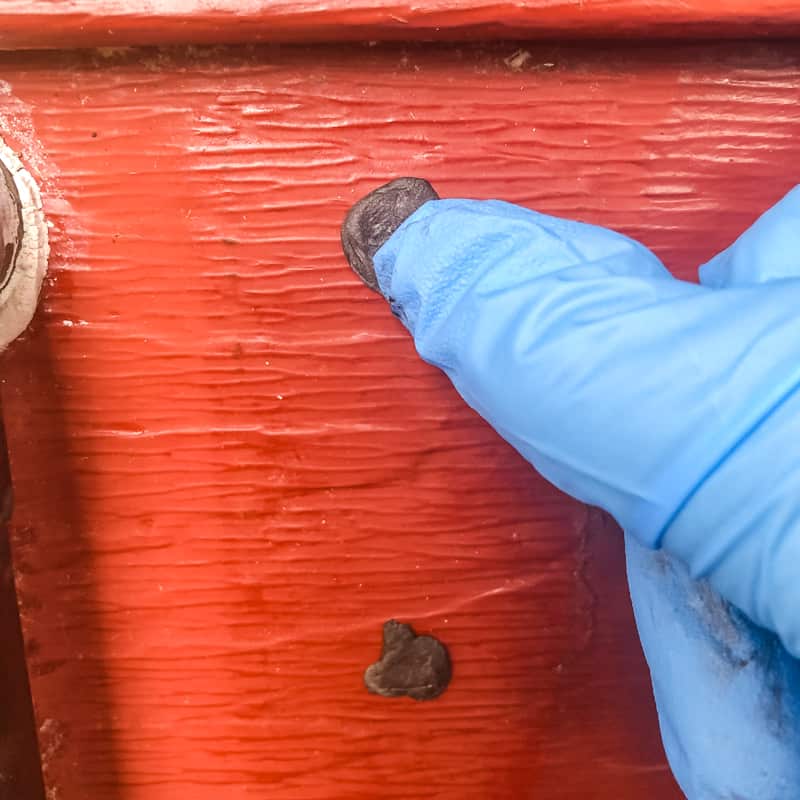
[(374, 218), (416, 666)]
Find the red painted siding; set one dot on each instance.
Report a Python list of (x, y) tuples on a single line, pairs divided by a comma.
[(89, 23), (231, 467)]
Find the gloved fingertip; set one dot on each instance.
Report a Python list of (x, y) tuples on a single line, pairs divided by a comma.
[(372, 220), (765, 252)]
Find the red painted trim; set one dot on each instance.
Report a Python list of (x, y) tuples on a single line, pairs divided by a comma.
[(92, 23), (232, 467)]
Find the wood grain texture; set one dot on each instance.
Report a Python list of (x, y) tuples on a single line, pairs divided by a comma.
[(231, 467), (104, 23)]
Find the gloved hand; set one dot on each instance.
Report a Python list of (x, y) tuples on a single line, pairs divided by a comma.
[(673, 406)]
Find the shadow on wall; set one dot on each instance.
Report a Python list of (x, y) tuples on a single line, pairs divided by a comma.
[(69, 671)]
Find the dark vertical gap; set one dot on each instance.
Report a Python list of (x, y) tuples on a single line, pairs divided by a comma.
[(20, 765)]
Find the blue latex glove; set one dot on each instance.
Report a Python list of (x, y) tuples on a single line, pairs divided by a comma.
[(671, 405)]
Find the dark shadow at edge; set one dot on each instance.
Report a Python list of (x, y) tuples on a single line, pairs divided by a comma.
[(37, 430), (20, 765)]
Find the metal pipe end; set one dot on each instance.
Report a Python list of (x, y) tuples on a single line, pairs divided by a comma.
[(24, 247)]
